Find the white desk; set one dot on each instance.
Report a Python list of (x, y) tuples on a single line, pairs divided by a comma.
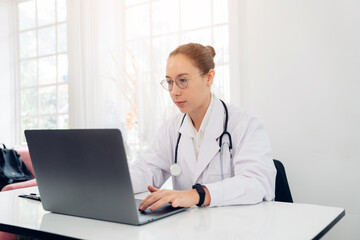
[(267, 220)]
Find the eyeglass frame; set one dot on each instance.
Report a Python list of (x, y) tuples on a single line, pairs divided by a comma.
[(177, 79)]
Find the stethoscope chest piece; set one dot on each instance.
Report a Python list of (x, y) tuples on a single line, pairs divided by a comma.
[(175, 170)]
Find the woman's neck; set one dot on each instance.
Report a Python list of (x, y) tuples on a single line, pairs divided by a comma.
[(198, 115)]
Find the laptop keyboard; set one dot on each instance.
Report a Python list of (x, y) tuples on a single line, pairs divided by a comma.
[(158, 212)]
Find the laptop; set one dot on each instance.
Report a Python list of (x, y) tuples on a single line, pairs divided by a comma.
[(84, 172)]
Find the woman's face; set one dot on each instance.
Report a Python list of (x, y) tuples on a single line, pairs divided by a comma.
[(196, 96)]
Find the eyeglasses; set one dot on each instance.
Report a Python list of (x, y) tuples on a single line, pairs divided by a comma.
[(182, 82)]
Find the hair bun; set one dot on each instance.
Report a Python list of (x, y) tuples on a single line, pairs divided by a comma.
[(201, 56), (212, 50)]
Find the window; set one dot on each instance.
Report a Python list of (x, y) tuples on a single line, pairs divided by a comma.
[(153, 28), (202, 21), (42, 64)]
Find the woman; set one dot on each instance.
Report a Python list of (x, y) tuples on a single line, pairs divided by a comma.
[(187, 146)]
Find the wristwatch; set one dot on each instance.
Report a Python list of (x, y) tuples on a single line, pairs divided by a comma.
[(200, 189)]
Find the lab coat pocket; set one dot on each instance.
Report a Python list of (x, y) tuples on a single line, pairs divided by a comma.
[(219, 169)]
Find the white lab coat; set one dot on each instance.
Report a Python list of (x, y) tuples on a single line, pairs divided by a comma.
[(254, 170)]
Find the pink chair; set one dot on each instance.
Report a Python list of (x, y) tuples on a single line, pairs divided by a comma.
[(24, 154), (7, 236)]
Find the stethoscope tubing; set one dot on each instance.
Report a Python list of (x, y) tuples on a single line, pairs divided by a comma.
[(221, 144)]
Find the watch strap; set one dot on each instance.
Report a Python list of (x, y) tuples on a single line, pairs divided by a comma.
[(200, 189)]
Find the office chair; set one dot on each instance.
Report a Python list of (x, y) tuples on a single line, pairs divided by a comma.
[(282, 189)]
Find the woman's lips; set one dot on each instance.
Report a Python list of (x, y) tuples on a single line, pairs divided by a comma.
[(180, 103)]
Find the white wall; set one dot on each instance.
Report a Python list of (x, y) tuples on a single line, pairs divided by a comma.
[(6, 71), (300, 74)]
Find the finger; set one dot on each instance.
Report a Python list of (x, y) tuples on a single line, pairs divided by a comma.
[(162, 201), (148, 202), (152, 189), (150, 199), (175, 203), (144, 203)]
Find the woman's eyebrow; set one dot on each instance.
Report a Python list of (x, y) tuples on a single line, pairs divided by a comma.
[(181, 74)]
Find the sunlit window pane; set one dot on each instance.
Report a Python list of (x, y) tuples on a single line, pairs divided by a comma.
[(199, 36), (47, 122), (30, 123), (138, 56), (45, 12), (221, 44), (47, 96), (63, 121), (27, 44), (47, 70), (165, 9), (132, 2), (46, 40), (140, 24), (62, 68), (63, 98), (62, 41), (221, 84), (195, 14), (61, 10), (29, 100), (163, 46), (28, 73), (27, 13), (220, 11)]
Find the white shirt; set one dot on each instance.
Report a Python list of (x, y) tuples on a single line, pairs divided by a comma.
[(198, 136)]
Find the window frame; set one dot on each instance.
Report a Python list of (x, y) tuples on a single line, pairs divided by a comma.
[(18, 88)]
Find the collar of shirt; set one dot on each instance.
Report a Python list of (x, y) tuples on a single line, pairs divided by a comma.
[(198, 136)]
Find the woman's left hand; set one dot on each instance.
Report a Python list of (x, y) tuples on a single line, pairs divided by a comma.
[(157, 198)]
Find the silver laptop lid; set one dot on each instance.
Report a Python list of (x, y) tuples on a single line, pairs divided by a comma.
[(83, 172)]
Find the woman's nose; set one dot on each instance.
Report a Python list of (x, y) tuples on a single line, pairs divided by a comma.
[(175, 90)]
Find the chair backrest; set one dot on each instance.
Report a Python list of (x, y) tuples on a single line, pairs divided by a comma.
[(282, 189)]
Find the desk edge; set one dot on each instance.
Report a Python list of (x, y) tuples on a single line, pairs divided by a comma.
[(329, 226)]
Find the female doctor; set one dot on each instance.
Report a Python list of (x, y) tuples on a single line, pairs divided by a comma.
[(217, 154)]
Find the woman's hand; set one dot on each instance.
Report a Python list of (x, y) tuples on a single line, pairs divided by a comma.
[(157, 198)]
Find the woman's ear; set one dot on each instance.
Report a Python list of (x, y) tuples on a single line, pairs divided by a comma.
[(210, 77)]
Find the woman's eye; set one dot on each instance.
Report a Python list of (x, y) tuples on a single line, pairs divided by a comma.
[(169, 82), (183, 80)]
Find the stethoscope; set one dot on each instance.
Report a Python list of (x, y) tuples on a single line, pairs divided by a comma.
[(175, 169)]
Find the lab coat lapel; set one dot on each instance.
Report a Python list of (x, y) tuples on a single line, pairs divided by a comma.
[(210, 147), (186, 149)]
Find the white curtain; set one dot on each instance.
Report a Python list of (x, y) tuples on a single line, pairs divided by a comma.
[(105, 91), (86, 88)]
